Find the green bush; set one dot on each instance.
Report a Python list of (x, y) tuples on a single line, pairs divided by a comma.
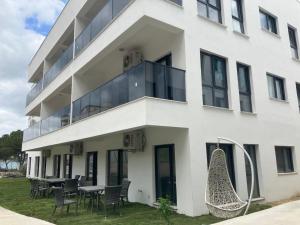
[(165, 209)]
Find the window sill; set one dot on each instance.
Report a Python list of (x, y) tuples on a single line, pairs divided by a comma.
[(217, 108), (248, 113), (241, 34), (279, 100), (269, 32), (213, 22), (285, 174)]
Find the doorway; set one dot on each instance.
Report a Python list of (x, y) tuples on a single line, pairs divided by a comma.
[(91, 167)]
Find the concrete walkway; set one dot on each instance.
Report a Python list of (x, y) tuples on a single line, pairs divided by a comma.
[(11, 218), (285, 214)]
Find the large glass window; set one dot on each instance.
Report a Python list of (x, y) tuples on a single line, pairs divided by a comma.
[(117, 166), (37, 166), (293, 42), (244, 88), (44, 166), (56, 165), (237, 16), (276, 87), (29, 165), (214, 80), (68, 162), (268, 22), (284, 159), (210, 9)]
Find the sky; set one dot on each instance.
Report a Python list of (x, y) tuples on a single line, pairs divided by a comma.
[(23, 26)]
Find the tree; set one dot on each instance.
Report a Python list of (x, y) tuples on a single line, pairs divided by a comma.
[(16, 139), (6, 152)]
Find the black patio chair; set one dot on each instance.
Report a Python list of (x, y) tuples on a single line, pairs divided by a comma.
[(124, 191), (81, 181), (111, 197), (77, 177), (60, 200), (37, 188), (71, 187)]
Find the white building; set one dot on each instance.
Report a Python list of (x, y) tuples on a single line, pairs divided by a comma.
[(182, 72)]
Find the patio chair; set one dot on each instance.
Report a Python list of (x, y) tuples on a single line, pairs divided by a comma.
[(111, 197), (77, 177), (81, 181), (37, 188), (124, 190), (60, 200), (71, 187)]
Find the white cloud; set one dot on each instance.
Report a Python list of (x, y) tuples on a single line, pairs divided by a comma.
[(17, 46)]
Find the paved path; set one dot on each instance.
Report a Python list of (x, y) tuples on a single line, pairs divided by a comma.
[(285, 214), (11, 218)]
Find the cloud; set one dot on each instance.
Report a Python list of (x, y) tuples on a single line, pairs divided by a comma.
[(19, 39)]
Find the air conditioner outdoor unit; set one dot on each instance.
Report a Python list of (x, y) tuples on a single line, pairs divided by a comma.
[(76, 148), (46, 153), (132, 58), (135, 141)]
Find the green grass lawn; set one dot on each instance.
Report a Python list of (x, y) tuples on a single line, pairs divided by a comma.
[(14, 195)]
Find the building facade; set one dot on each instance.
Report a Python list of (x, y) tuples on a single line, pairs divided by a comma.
[(174, 76)]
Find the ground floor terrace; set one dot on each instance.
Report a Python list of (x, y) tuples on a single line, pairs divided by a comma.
[(169, 166)]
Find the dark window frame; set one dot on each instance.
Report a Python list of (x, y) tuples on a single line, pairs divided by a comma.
[(218, 8), (289, 154), (282, 87), (213, 86), (239, 19), (44, 166), (298, 94), (56, 170), (120, 165), (29, 165), (70, 164), (293, 40), (270, 20), (37, 166), (248, 83)]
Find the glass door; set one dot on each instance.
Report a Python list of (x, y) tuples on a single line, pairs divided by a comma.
[(91, 167), (165, 175), (251, 149)]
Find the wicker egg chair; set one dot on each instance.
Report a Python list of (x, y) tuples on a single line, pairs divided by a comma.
[(220, 197)]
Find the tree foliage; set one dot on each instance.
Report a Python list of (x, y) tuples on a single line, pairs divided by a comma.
[(11, 148)]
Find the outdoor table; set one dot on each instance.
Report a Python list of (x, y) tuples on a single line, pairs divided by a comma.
[(54, 181), (93, 191)]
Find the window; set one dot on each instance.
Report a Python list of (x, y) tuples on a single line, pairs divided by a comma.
[(214, 81), (237, 16), (268, 22), (29, 165), (293, 42), (37, 166), (276, 87), (210, 9), (117, 166), (68, 161), (56, 166), (244, 88), (44, 166), (284, 159), (298, 94)]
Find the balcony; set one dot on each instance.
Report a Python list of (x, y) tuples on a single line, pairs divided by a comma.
[(110, 10), (58, 120), (146, 79), (34, 92)]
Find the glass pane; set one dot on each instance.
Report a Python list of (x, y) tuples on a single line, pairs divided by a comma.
[(84, 106), (160, 81), (272, 24), (94, 102), (113, 167), (214, 2), (245, 103), (295, 54), (220, 72), (120, 90), (106, 97), (76, 110), (237, 26), (202, 10), (234, 8), (176, 84), (271, 87), (125, 164), (213, 14), (220, 98), (206, 70), (243, 79), (263, 20), (118, 6), (136, 82), (279, 89), (207, 95)]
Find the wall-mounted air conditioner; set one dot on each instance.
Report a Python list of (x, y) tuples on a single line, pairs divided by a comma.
[(76, 148), (132, 58), (134, 141)]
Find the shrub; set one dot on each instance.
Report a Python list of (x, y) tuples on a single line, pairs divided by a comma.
[(165, 209)]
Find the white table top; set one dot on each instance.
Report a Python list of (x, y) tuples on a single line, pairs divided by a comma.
[(92, 188)]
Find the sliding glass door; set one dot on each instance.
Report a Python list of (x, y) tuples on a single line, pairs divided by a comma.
[(117, 166), (91, 167)]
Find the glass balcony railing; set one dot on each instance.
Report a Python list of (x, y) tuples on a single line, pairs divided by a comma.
[(32, 132), (58, 66), (111, 9), (146, 79), (56, 121), (34, 92)]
